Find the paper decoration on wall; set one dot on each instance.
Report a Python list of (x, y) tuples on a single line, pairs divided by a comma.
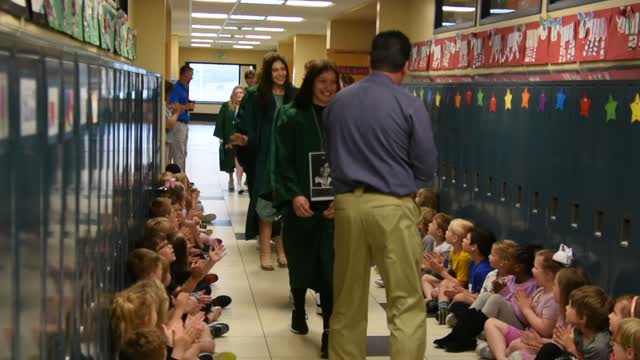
[(562, 46), (536, 50), (462, 43), (445, 53), (513, 52), (480, 97), (507, 100), (73, 18), (560, 99), (525, 98), (429, 96), (422, 94), (415, 93), (413, 60), (438, 98), (469, 97), (420, 56), (493, 104), (542, 102), (106, 18), (458, 100), (476, 44), (448, 100), (495, 43), (610, 108), (623, 34), (90, 19), (585, 106), (55, 14), (635, 109), (592, 35)]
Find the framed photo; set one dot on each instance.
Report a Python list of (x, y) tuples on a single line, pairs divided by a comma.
[(15, 7), (320, 180), (54, 10), (38, 13)]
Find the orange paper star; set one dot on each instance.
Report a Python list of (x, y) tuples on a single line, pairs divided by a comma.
[(507, 100), (525, 98), (458, 100)]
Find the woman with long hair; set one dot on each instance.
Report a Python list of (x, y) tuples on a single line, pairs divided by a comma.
[(225, 127), (308, 230), (253, 138)]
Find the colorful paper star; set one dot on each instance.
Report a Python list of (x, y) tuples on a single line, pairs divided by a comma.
[(493, 104), (585, 105), (422, 93), (525, 98), (448, 100), (507, 100), (480, 97), (635, 109), (438, 98), (429, 96), (414, 93), (560, 99), (458, 100), (469, 97), (611, 107), (542, 102)]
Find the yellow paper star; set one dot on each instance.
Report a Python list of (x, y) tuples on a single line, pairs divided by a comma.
[(635, 109), (507, 100), (438, 97)]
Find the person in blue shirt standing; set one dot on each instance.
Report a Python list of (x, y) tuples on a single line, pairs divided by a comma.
[(180, 132)]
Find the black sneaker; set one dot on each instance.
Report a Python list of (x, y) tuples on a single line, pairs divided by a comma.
[(299, 323), (221, 301), (432, 307), (324, 347)]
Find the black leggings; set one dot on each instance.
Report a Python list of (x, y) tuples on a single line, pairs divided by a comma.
[(553, 352), (326, 303)]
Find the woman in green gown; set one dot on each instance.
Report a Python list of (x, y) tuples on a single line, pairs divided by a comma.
[(308, 224), (253, 140), (225, 127)]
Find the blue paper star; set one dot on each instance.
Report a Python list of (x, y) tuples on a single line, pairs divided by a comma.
[(561, 97), (429, 96)]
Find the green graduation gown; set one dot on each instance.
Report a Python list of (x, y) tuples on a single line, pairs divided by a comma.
[(225, 127), (308, 242), (255, 120)]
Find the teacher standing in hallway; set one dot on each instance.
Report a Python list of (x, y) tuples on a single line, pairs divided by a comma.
[(379, 141)]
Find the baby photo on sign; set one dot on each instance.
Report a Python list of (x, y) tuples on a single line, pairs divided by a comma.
[(321, 183)]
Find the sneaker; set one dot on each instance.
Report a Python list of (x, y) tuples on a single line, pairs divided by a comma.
[(451, 320), (442, 316), (379, 283), (484, 351), (299, 322), (209, 218), (432, 306), (218, 329), (221, 301), (318, 306)]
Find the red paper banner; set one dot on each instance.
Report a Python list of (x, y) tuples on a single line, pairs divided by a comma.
[(462, 45), (624, 33), (562, 40), (420, 56), (492, 48), (536, 43), (513, 38), (476, 49), (445, 53), (592, 35)]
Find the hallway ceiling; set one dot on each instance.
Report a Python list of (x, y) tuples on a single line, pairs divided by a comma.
[(191, 20)]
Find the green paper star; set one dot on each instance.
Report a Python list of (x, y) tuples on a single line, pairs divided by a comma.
[(611, 108), (422, 94), (480, 96)]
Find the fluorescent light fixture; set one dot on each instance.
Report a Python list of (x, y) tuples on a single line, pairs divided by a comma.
[(200, 45), (212, 27), (199, 15), (204, 34), (249, 42), (247, 17), (225, 41), (245, 28), (501, 11), (218, 1), (243, 46), (271, 29), (445, 23), (285, 18), (202, 40), (309, 3), (238, 36), (224, 35), (458, 8), (262, 2), (231, 28), (265, 37)]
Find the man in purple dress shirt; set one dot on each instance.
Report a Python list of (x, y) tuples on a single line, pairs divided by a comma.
[(379, 141)]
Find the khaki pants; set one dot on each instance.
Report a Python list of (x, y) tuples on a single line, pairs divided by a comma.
[(383, 228), (177, 151)]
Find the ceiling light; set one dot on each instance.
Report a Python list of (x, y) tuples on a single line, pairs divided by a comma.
[(212, 27), (501, 11), (266, 37), (244, 28), (285, 18), (309, 3), (224, 35), (243, 46), (226, 41), (458, 8), (200, 45), (263, 2), (272, 29), (249, 42), (238, 36), (204, 34), (247, 17), (199, 15), (202, 40), (217, 1), (231, 28)]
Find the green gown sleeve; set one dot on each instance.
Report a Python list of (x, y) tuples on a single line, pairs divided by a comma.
[(222, 124), (284, 179)]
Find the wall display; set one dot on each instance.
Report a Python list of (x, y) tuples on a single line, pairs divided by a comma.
[(28, 107), (536, 42), (15, 7), (480, 98), (513, 46), (610, 108), (585, 106), (438, 99), (635, 109), (542, 102), (623, 34), (54, 9), (73, 18), (493, 104), (106, 17), (130, 43), (4, 105), (493, 48), (420, 53), (476, 45), (118, 31), (38, 12), (446, 53), (592, 35), (458, 100), (562, 43), (507, 100), (525, 99), (90, 22), (53, 110), (560, 99)]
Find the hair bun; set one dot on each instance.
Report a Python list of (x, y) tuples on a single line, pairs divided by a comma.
[(564, 255)]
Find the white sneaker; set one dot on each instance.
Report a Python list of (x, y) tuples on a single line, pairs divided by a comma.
[(484, 351), (379, 283)]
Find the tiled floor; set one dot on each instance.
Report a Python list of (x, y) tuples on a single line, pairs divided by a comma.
[(259, 315)]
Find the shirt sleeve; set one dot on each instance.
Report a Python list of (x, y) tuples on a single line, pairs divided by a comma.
[(174, 96), (284, 178), (422, 151)]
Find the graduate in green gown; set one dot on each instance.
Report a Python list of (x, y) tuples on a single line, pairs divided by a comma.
[(308, 224), (225, 127), (253, 140)]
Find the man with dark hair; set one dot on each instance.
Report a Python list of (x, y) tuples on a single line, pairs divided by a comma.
[(379, 141), (180, 132)]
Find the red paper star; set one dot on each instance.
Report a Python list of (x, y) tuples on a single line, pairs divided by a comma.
[(493, 105), (585, 105), (469, 96), (458, 100)]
